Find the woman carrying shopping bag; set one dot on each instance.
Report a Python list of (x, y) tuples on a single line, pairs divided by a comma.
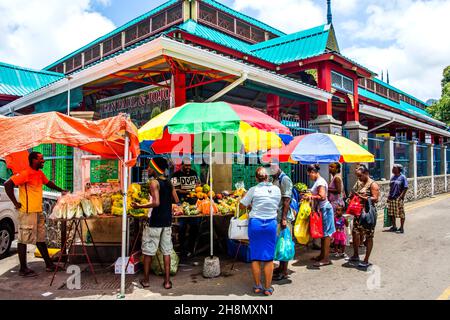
[(263, 199), (320, 194)]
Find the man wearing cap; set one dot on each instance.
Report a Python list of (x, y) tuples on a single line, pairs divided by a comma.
[(184, 181), (158, 232), (395, 203), (285, 218)]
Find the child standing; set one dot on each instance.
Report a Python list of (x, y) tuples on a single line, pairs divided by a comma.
[(339, 237)]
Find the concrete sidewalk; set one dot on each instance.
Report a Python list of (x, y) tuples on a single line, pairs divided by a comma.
[(413, 265)]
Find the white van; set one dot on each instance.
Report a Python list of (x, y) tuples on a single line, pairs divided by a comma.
[(8, 223)]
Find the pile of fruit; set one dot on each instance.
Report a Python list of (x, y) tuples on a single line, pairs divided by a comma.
[(138, 194), (228, 205), (201, 193), (224, 203)]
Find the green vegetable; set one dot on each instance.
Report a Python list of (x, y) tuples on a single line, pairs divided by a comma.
[(301, 187)]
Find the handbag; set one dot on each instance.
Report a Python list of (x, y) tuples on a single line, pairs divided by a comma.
[(355, 207), (368, 218), (238, 229), (316, 225)]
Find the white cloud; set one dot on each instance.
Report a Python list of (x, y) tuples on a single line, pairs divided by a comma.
[(409, 38), (287, 15), (35, 33), (344, 7)]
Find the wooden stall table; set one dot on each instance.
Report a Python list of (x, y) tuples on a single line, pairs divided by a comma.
[(205, 229), (71, 229)]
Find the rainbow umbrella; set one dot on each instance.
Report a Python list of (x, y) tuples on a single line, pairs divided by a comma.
[(234, 128), (320, 148), (223, 126)]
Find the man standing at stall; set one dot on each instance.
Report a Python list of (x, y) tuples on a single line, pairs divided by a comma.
[(282, 180), (31, 217), (158, 233), (184, 181)]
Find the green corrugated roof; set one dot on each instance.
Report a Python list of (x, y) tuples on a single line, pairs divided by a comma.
[(116, 31), (244, 17), (397, 90), (18, 81), (402, 106), (292, 47), (213, 35)]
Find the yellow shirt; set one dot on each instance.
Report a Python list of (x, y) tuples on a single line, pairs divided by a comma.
[(30, 184)]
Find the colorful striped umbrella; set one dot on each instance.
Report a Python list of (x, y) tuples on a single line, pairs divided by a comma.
[(234, 128), (320, 148), (222, 126)]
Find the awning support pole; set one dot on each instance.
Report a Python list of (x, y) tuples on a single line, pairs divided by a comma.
[(124, 215), (381, 125), (227, 89), (68, 96), (211, 211)]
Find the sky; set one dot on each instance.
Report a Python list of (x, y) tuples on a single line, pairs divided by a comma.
[(406, 37)]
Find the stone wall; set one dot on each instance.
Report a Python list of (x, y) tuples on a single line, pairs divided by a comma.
[(423, 187), (439, 184)]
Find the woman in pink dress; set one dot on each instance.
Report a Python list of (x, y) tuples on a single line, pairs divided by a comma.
[(336, 186), (339, 237)]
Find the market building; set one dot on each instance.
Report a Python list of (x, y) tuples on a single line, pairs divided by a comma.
[(201, 50)]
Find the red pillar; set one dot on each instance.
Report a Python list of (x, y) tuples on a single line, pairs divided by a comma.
[(409, 134), (304, 112), (324, 79), (179, 79), (353, 110), (273, 106), (421, 136)]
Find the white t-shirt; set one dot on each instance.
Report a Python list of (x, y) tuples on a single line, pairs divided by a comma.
[(320, 182), (264, 199)]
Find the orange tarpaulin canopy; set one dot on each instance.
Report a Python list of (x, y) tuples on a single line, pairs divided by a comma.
[(105, 138)]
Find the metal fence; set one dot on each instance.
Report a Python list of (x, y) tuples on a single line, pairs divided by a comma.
[(298, 127), (422, 160), (401, 155), (376, 147), (448, 161), (437, 160)]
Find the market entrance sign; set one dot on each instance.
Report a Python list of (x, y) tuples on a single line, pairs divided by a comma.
[(141, 105)]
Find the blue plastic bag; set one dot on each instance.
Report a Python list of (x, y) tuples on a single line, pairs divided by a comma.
[(285, 249)]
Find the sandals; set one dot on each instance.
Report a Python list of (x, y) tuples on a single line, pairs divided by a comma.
[(258, 289), (168, 287), (269, 292), (144, 286), (364, 265), (279, 277), (318, 258), (28, 273), (53, 268), (352, 259), (322, 264)]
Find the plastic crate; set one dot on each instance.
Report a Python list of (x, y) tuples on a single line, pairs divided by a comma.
[(244, 250)]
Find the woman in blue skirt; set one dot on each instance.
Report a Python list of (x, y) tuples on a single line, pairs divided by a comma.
[(264, 200), (319, 193)]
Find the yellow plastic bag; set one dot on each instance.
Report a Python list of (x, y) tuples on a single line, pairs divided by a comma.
[(305, 210), (301, 231)]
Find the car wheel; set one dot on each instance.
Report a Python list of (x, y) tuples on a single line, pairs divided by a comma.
[(6, 238)]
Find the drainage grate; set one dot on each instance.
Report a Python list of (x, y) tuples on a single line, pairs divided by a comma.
[(105, 282)]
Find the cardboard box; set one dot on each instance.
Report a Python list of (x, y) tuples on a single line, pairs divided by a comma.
[(133, 267)]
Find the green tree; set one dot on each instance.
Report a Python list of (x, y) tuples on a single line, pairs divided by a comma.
[(441, 109)]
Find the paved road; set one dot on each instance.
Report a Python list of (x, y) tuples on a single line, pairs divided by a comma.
[(414, 265)]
